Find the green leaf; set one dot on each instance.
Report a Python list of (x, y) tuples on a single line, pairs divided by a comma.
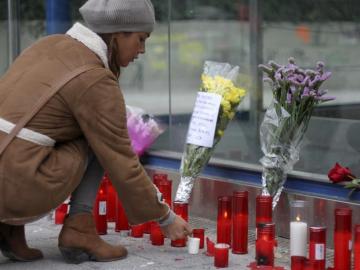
[(353, 184), (351, 192)]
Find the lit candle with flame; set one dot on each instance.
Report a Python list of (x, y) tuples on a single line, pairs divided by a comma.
[(224, 220), (298, 231)]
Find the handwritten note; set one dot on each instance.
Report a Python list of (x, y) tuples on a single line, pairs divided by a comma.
[(203, 120)]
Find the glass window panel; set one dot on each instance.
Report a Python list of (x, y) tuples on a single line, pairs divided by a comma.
[(327, 31), (32, 21), (200, 31), (145, 81), (32, 18), (309, 31), (4, 38), (220, 30)]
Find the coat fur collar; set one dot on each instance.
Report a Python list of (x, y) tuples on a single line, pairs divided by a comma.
[(91, 40)]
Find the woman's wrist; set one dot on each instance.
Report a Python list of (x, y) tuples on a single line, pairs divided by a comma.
[(168, 219)]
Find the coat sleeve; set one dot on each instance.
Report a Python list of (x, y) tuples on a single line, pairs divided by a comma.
[(101, 114)]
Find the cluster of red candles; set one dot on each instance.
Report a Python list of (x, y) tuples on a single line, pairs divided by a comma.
[(108, 208), (232, 228), (342, 245), (233, 213), (232, 221), (317, 252)]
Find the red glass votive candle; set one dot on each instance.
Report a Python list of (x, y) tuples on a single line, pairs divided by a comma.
[(240, 222), (263, 209), (221, 255), (342, 239), (156, 236), (147, 227), (111, 200), (210, 246), (224, 220), (317, 248), (199, 233), (309, 265), (121, 222), (181, 209), (298, 262), (357, 247), (265, 243), (60, 213), (159, 177), (165, 188), (137, 231), (100, 209)]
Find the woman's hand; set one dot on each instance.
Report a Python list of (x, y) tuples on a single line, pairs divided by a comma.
[(177, 230)]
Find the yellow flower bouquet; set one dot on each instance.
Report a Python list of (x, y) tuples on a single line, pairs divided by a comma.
[(215, 106)]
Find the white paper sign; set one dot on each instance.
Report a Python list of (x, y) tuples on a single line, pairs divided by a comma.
[(102, 208), (203, 120), (319, 252)]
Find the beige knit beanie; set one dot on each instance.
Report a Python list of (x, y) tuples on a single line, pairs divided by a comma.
[(112, 16)]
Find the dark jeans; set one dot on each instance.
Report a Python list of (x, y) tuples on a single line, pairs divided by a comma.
[(83, 198)]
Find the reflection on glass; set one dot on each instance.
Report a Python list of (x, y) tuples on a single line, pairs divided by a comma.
[(4, 37), (220, 31)]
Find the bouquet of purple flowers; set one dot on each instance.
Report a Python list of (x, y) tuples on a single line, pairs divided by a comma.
[(143, 129), (295, 94)]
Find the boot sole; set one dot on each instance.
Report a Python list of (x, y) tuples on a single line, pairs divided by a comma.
[(12, 256), (77, 256), (6, 251), (74, 255)]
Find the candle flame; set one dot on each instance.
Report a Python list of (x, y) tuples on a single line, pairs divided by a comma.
[(265, 238), (298, 218), (225, 214)]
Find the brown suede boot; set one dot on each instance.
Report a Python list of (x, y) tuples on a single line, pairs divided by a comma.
[(13, 244), (79, 241)]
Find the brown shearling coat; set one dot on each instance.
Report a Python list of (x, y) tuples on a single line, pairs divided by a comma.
[(87, 111)]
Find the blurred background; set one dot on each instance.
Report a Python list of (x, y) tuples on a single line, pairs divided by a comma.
[(166, 79)]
